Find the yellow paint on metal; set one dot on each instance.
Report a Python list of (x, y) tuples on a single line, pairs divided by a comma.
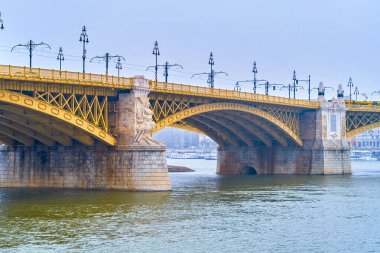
[(231, 126), (226, 107), (66, 130), (25, 130), (187, 127), (38, 75), (190, 90), (90, 108), (363, 107), (58, 91), (206, 129), (16, 135), (249, 127), (261, 126), (50, 110), (359, 130), (221, 130), (44, 129), (356, 120), (63, 77), (163, 108)]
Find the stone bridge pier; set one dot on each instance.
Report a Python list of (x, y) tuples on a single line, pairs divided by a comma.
[(137, 162), (325, 149)]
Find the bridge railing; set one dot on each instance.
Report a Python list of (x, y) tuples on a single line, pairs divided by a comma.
[(368, 107), (66, 77), (229, 94)]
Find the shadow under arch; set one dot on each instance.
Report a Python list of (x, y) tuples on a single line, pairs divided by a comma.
[(66, 118), (248, 170), (204, 108)]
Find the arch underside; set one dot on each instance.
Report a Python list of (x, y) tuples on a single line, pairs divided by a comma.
[(28, 121), (233, 125)]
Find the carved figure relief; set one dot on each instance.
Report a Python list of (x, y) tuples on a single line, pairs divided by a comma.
[(135, 116), (144, 121)]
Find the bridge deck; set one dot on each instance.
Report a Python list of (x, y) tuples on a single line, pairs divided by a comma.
[(197, 91), (38, 75), (63, 77), (362, 108)]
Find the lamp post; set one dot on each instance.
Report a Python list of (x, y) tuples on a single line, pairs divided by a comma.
[(295, 82), (237, 87), (166, 67), (156, 53), (308, 82), (107, 58), (268, 85), (350, 84), (255, 81), (212, 74), (290, 88), (84, 39), (254, 70), (30, 46), (356, 93), (1, 22), (119, 66), (60, 58)]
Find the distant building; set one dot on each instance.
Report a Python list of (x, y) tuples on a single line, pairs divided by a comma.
[(177, 138), (368, 140), (207, 142)]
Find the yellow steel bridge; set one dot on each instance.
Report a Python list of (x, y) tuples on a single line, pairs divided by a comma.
[(50, 107)]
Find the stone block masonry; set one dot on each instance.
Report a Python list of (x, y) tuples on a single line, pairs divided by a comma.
[(80, 167), (136, 163), (325, 150), (284, 160)]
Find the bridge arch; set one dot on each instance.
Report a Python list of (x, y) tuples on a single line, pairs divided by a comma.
[(43, 109), (361, 129), (249, 170), (359, 120), (195, 113)]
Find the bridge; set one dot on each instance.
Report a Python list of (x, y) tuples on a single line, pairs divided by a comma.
[(82, 130)]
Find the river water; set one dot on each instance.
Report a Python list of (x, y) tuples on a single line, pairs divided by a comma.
[(203, 213)]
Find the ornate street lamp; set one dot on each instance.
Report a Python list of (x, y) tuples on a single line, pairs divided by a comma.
[(84, 39), (60, 58)]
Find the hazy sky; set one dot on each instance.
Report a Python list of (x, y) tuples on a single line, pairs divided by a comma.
[(330, 40)]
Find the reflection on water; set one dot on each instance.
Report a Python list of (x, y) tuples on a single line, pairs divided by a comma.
[(204, 212)]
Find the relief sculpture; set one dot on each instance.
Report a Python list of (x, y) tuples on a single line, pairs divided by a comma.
[(144, 122), (135, 116)]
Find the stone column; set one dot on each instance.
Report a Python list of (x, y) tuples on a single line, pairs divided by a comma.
[(145, 157), (331, 147), (324, 136), (137, 162)]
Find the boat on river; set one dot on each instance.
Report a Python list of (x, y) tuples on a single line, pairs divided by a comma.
[(362, 155)]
